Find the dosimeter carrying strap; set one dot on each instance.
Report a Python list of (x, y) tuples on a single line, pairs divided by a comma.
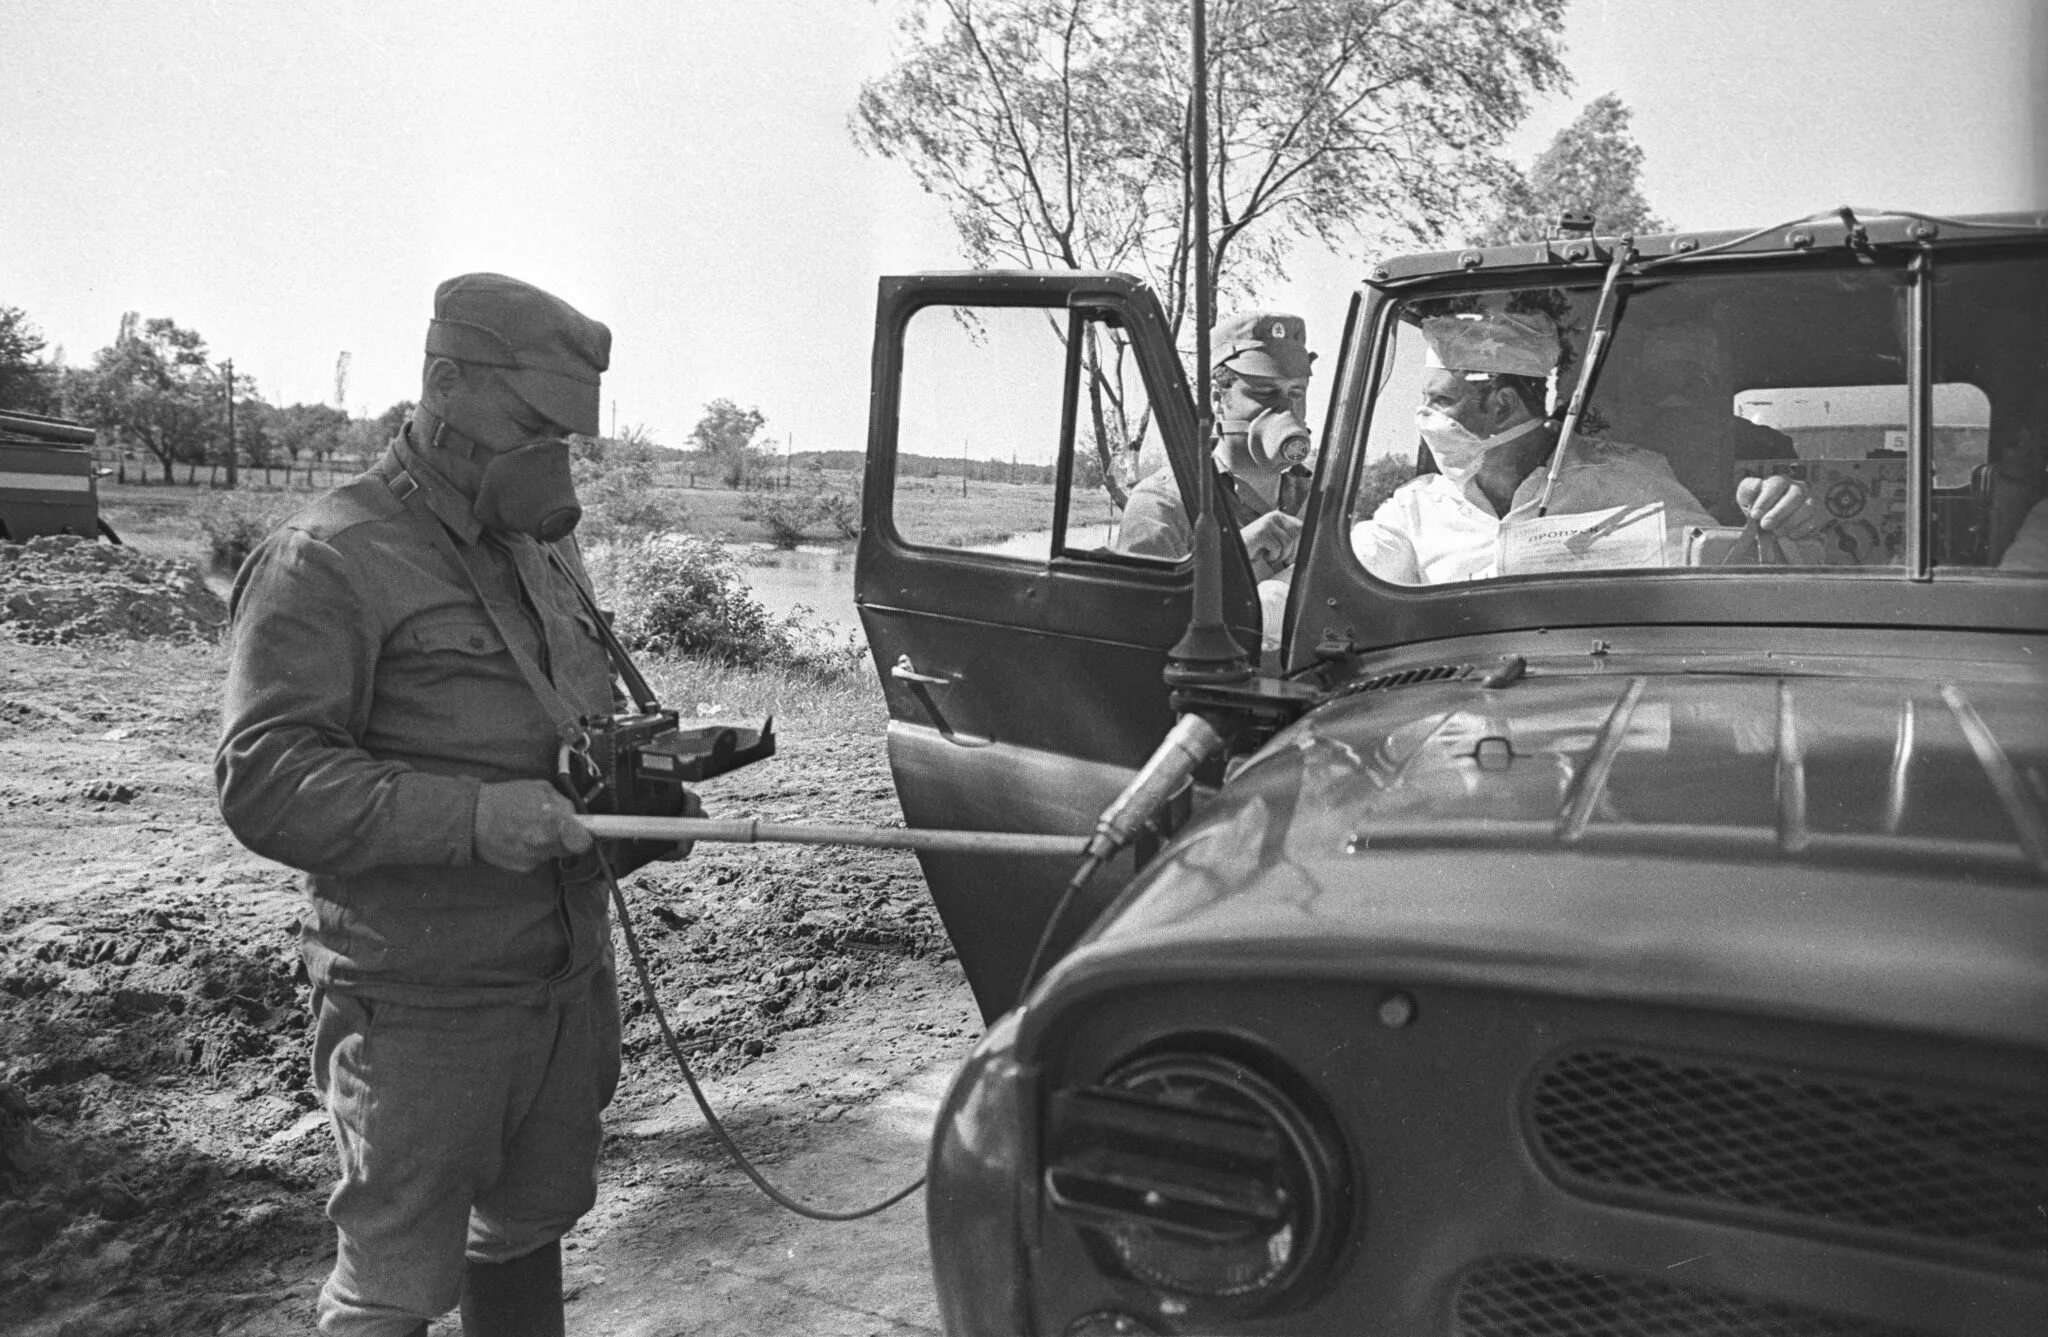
[(568, 725)]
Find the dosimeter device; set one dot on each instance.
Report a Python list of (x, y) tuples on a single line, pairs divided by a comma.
[(638, 765)]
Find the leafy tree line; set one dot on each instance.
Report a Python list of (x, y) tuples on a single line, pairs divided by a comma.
[(157, 387)]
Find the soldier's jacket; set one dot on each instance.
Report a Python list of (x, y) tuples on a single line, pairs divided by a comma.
[(369, 697), (1156, 523)]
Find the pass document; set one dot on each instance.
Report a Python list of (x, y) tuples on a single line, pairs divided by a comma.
[(1584, 541)]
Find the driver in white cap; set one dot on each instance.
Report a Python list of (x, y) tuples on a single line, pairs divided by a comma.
[(1483, 420)]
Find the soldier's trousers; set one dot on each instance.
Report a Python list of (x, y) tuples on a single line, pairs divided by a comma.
[(463, 1133)]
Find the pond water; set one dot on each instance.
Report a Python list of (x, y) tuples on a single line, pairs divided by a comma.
[(822, 578)]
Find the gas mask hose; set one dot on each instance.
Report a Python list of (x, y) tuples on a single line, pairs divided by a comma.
[(1190, 743)]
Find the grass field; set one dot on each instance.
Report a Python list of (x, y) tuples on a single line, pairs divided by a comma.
[(164, 521)]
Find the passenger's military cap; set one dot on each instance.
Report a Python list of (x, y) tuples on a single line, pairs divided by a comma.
[(552, 354), (1497, 342), (1262, 343)]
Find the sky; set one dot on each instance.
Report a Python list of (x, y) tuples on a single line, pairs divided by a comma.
[(292, 181)]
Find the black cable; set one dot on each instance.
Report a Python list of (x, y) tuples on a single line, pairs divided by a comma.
[(1680, 257), (668, 1037), (1059, 913), (1977, 224)]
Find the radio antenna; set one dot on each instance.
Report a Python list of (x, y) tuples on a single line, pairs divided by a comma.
[(1206, 652)]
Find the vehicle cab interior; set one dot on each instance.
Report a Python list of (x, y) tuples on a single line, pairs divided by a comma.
[(1723, 377)]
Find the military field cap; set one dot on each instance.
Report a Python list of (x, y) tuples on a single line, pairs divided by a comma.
[(1262, 343), (552, 353), (1495, 342)]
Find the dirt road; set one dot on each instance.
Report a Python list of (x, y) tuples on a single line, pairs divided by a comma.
[(162, 1161)]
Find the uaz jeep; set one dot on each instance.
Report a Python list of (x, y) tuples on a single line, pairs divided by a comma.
[(1632, 938)]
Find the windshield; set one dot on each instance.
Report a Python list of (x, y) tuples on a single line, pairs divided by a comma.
[(1712, 386)]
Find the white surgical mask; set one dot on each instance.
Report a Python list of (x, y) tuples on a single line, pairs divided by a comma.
[(1458, 450)]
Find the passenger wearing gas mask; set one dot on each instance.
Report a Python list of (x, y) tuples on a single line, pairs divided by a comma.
[(1260, 390), (384, 729), (1483, 420)]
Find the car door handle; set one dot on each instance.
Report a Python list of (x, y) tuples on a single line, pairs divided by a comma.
[(905, 671)]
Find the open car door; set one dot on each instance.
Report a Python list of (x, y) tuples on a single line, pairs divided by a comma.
[(1021, 652)]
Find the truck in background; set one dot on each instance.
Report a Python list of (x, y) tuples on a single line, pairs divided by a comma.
[(47, 483)]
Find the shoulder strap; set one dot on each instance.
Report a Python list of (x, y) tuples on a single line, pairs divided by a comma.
[(615, 650), (568, 726)]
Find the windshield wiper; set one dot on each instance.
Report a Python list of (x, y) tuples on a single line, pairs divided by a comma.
[(1605, 317)]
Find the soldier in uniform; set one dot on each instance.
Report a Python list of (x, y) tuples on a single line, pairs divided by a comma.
[(404, 652), (1260, 387)]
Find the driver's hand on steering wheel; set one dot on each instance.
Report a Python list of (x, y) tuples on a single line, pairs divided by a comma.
[(1781, 506)]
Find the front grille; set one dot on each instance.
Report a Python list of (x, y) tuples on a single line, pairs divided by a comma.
[(1870, 1156), (1534, 1297)]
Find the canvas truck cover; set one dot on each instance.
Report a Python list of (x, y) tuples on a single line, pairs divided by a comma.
[(46, 478)]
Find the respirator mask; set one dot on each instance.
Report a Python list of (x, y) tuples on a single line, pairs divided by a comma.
[(526, 490), (1276, 439), (1457, 449)]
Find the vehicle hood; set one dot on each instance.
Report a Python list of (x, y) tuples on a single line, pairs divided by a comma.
[(1850, 848)]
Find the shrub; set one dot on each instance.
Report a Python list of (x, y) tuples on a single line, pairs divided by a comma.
[(790, 514), (685, 595), (619, 498), (841, 512), (785, 515), (235, 521)]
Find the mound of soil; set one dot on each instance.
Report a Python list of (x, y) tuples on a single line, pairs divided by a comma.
[(61, 588), (102, 1016)]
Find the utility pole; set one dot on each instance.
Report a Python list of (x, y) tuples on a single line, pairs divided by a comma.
[(615, 418), (231, 422), (788, 448)]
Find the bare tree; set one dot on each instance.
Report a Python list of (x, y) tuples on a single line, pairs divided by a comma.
[(1059, 133)]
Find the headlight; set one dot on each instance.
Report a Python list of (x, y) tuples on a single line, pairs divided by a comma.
[(1200, 1176)]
